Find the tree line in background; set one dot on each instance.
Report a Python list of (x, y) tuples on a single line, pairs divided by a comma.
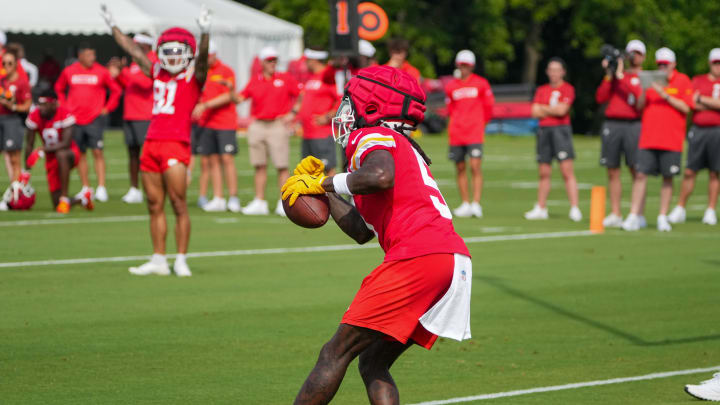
[(514, 38)]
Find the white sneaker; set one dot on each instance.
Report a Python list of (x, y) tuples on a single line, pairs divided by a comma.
[(148, 268), (101, 194), (537, 213), (709, 390), (181, 269), (642, 221), (217, 204), (613, 221), (3, 206), (133, 196), (233, 204), (279, 210), (202, 200), (710, 217), (256, 207), (677, 215), (476, 209), (463, 211), (575, 214), (663, 224), (81, 194), (631, 223)]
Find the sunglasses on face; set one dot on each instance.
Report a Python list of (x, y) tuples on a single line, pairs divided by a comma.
[(8, 63), (271, 60)]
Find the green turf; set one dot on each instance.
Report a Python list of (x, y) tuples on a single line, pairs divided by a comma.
[(247, 329)]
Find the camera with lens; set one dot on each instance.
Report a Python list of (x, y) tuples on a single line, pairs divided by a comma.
[(612, 55)]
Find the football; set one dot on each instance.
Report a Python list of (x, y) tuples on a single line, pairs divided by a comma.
[(309, 211)]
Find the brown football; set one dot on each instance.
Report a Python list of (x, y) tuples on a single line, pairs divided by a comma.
[(309, 211)]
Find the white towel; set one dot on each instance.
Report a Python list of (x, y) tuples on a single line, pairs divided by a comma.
[(450, 317)]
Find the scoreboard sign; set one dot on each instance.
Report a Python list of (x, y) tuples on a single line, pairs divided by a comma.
[(344, 24)]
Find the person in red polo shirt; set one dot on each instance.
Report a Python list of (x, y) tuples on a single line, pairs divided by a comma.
[(87, 83), (273, 95), (216, 139), (554, 139), (661, 138), (137, 111), (703, 142), (15, 99), (399, 49), (621, 91), (470, 101)]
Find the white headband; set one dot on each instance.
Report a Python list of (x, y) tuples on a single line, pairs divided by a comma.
[(143, 39), (316, 55)]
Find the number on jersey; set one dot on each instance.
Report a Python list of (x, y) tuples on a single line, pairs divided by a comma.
[(164, 96), (439, 203)]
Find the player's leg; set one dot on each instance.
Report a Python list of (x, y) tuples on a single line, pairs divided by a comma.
[(462, 184), (99, 163), (615, 188), (14, 157), (260, 181), (134, 132), (134, 166), (230, 172), (204, 177), (544, 173), (95, 135), (65, 162), (55, 197), (477, 178), (155, 194), (713, 189), (335, 356), (80, 137), (258, 150), (216, 175), (687, 187), (374, 365), (176, 186), (571, 188)]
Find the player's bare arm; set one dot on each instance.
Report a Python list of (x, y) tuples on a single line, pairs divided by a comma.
[(64, 143), (376, 174), (29, 143), (125, 42), (349, 220)]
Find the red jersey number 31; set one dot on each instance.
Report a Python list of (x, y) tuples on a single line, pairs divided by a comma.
[(164, 97)]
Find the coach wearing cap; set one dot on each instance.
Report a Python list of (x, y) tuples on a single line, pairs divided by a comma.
[(661, 138), (272, 96), (703, 141), (621, 91)]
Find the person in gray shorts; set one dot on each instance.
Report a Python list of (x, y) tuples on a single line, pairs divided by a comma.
[(11, 125), (323, 149)]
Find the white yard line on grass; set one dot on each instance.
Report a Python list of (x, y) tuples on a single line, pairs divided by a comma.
[(308, 249), (653, 376), (136, 218)]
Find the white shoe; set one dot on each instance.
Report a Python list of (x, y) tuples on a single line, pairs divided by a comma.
[(148, 268), (537, 213), (708, 390), (101, 194), (575, 214), (256, 207), (181, 269), (463, 211), (233, 204), (476, 209), (613, 221), (663, 224), (677, 215), (710, 217), (202, 200), (642, 221), (3, 206), (80, 195), (631, 223), (133, 196), (217, 204), (279, 210)]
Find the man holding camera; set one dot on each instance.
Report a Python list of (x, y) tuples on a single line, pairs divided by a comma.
[(621, 90)]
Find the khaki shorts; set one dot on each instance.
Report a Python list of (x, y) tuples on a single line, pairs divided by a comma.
[(271, 137)]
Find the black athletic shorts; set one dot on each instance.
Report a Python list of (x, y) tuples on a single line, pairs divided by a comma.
[(655, 161), (703, 148), (457, 153), (619, 138), (554, 143), (324, 149), (90, 136), (212, 141), (135, 131), (12, 132)]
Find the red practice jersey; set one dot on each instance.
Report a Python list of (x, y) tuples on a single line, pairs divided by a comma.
[(621, 96), (86, 91), (470, 103), (174, 98), (138, 101), (220, 79), (50, 130), (271, 97), (411, 219), (708, 88), (19, 89), (548, 95), (319, 98), (663, 127)]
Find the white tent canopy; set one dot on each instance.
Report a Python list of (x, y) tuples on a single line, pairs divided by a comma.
[(238, 31)]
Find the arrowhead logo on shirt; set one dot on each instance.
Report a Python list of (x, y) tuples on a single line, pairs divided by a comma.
[(84, 79), (278, 82)]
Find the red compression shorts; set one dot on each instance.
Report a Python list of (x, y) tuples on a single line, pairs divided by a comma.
[(158, 156), (53, 171)]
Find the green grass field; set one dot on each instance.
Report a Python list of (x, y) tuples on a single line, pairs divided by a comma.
[(246, 328)]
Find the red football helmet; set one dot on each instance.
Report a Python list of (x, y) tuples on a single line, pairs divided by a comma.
[(377, 94), (19, 196), (175, 49)]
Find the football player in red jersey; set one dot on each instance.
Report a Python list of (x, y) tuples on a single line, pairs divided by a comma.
[(166, 153), (422, 288)]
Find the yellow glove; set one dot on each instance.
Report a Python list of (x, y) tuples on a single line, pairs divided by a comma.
[(301, 184), (310, 165)]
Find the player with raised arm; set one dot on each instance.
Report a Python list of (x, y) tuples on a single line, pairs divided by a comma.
[(177, 84), (422, 288)]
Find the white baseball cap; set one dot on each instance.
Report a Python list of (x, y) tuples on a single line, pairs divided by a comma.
[(315, 54), (366, 48), (465, 57), (3, 38), (714, 55), (637, 46), (143, 39), (267, 53), (664, 55)]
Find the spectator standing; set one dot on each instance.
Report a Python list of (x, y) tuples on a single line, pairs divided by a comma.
[(272, 94), (551, 105), (399, 49), (87, 83), (49, 69), (30, 69), (661, 138), (470, 101), (20, 70), (367, 54), (15, 99), (621, 91), (703, 142)]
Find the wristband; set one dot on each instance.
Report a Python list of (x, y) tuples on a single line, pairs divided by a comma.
[(340, 184)]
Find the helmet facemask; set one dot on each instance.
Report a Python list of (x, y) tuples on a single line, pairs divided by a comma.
[(344, 122), (174, 56)]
